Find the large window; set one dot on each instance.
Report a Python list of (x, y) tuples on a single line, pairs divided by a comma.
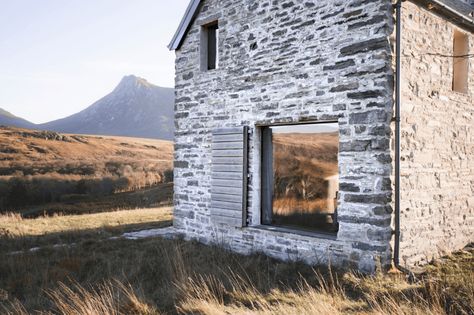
[(300, 176)]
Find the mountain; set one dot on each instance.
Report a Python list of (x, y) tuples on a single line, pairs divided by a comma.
[(135, 108), (8, 119)]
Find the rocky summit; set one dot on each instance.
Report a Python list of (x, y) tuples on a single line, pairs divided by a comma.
[(135, 108)]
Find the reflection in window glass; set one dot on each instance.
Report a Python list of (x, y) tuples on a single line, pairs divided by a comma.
[(305, 176)]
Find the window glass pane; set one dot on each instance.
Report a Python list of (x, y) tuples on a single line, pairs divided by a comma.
[(305, 176), (212, 36)]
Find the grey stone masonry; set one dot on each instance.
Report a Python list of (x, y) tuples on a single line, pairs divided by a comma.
[(286, 62)]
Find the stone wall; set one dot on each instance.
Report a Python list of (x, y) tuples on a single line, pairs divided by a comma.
[(291, 61), (437, 149), (471, 2)]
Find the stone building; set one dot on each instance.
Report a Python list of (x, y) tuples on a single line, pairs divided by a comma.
[(286, 128)]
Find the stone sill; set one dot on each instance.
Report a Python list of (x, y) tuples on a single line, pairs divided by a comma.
[(283, 230)]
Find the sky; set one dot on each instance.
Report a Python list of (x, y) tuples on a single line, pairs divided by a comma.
[(59, 56)]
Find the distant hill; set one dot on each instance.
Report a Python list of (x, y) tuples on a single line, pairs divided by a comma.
[(135, 108), (8, 119)]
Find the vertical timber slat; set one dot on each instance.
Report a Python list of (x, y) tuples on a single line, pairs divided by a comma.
[(229, 176)]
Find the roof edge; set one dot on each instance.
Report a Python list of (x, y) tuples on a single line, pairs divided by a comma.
[(462, 19), (440, 7), (183, 27)]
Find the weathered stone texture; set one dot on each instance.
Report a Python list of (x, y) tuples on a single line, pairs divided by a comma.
[(290, 61), (437, 149)]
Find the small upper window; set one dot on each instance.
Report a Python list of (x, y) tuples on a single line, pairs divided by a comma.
[(460, 62), (210, 46)]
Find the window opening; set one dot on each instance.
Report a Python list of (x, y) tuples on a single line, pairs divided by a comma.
[(210, 46), (460, 62), (300, 177)]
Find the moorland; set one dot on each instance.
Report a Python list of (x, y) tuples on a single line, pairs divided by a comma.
[(49, 172), (80, 264)]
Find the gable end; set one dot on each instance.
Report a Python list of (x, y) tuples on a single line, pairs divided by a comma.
[(458, 12), (183, 27)]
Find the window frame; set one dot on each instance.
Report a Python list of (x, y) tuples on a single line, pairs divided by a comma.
[(209, 46), (267, 180)]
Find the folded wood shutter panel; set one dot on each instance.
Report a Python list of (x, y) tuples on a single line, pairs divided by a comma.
[(229, 176)]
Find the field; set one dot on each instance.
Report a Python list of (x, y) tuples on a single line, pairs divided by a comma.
[(101, 273), (47, 172)]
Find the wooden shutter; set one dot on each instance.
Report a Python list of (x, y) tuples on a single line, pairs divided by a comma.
[(229, 176)]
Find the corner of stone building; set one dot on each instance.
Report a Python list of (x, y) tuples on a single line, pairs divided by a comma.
[(365, 129)]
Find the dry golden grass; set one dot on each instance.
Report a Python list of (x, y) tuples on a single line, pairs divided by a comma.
[(154, 197), (339, 293), (290, 206), (40, 167), (304, 185), (20, 234), (13, 225), (318, 150), (109, 298), (24, 145), (207, 296), (302, 164), (197, 289), (100, 275)]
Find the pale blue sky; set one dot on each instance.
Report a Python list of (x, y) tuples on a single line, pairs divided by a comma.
[(59, 56)]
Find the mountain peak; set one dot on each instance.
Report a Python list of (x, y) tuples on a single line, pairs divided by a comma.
[(132, 82), (134, 108)]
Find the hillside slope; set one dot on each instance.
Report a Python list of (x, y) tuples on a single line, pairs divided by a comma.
[(8, 119), (135, 108), (39, 167)]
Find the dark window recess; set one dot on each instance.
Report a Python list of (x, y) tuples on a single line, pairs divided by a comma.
[(300, 178), (213, 32), (210, 46)]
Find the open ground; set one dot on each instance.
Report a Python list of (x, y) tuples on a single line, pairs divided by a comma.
[(103, 273)]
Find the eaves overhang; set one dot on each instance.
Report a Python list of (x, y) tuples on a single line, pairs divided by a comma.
[(188, 18), (455, 11)]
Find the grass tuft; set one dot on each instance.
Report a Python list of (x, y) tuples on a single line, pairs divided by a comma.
[(108, 298)]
